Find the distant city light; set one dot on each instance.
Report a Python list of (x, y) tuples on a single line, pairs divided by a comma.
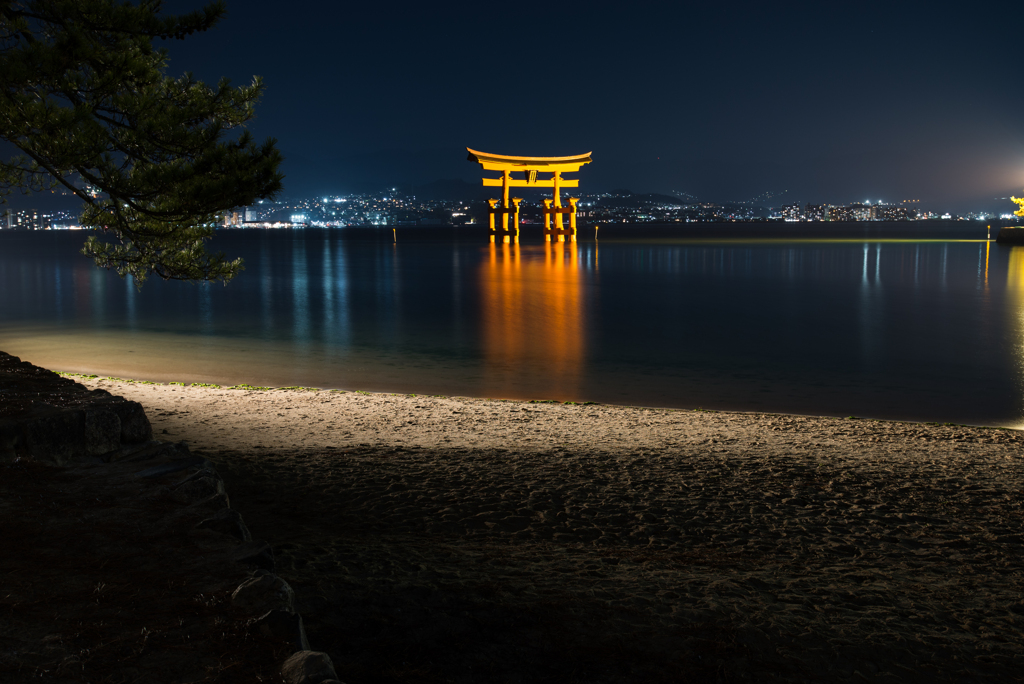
[(388, 208)]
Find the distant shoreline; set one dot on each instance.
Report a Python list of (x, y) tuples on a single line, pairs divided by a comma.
[(931, 229), (532, 232)]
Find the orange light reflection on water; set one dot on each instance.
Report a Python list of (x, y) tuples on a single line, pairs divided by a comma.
[(1015, 313), (534, 315), (987, 246)]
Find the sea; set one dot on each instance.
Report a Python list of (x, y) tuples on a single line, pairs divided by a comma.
[(919, 321)]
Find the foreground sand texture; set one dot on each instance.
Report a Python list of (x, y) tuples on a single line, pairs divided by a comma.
[(432, 539)]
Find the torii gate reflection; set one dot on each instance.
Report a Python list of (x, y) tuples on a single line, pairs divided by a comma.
[(533, 316)]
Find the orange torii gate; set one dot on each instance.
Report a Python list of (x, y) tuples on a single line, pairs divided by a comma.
[(530, 166)]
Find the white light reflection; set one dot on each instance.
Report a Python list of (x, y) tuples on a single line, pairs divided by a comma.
[(58, 293), (205, 309), (945, 254), (339, 336), (300, 293), (980, 257), (456, 293), (266, 293), (327, 284), (97, 282), (130, 292), (917, 264), (869, 312)]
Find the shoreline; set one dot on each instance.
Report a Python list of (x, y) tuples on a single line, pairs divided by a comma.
[(244, 387)]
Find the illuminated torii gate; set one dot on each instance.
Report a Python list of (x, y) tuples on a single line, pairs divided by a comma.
[(530, 166)]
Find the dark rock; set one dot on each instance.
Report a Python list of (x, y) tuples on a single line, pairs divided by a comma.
[(10, 435), (173, 467), (200, 485), (102, 431), (148, 451), (284, 625), (264, 592), (58, 420), (227, 521), (215, 502), (137, 452), (205, 469), (308, 667), (56, 436), (255, 553), (135, 427), (198, 488)]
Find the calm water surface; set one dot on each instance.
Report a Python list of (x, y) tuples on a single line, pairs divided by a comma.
[(919, 329)]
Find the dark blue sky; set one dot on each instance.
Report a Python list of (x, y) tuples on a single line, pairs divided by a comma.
[(833, 102)]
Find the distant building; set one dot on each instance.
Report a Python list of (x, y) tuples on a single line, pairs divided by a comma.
[(889, 212), (861, 212), (840, 214), (26, 219), (791, 212), (815, 212), (403, 218)]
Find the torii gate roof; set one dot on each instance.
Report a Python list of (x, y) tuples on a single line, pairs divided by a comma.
[(497, 162)]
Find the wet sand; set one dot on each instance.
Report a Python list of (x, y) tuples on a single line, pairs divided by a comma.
[(437, 539)]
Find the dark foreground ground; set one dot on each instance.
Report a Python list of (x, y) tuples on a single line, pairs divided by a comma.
[(435, 539)]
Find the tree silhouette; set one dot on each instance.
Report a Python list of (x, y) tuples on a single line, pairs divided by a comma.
[(155, 160)]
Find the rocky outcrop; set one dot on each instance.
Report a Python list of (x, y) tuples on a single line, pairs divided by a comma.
[(264, 591), (45, 417), (49, 418), (309, 667)]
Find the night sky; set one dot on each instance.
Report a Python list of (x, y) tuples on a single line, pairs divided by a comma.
[(830, 102)]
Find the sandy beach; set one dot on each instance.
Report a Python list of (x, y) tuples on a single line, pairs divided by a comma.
[(436, 539)]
